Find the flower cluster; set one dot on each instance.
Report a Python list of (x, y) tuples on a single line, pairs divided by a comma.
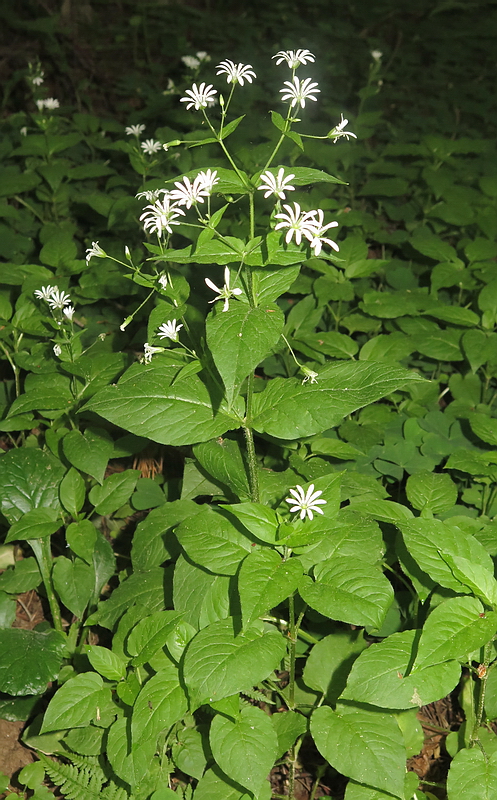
[(188, 193), (307, 224), (50, 103), (56, 298), (159, 216)]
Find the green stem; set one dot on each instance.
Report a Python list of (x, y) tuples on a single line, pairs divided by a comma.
[(292, 637), (487, 657), (319, 774), (252, 463), (43, 555)]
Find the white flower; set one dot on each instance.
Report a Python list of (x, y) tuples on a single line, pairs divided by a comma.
[(57, 349), (294, 58), (161, 215), (150, 146), (148, 352), (318, 239), (190, 61), (188, 193), (44, 293), (199, 96), (203, 56), (169, 330), (299, 223), (24, 131), (95, 250), (310, 375), (299, 91), (58, 298), (134, 130), (68, 312), (237, 73), (305, 502), (226, 292), (49, 103), (151, 195), (338, 130), (377, 55), (163, 280), (37, 80), (208, 179), (276, 185)]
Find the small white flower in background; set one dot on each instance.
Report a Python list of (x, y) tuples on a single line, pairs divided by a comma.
[(24, 131), (163, 280), (203, 56), (165, 147), (310, 375), (57, 349), (377, 55), (305, 502), (294, 57), (226, 292), (169, 330), (237, 73), (148, 352), (95, 250), (50, 103), (58, 299), (318, 239), (37, 80), (151, 195), (338, 130), (44, 293), (161, 215), (171, 88), (190, 61), (150, 146), (299, 91), (299, 223), (199, 96), (276, 185), (68, 312), (134, 130), (189, 194)]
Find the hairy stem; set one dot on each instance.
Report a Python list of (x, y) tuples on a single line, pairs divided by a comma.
[(43, 555)]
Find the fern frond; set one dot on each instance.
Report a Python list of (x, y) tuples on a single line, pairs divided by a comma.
[(115, 792), (259, 697), (76, 781)]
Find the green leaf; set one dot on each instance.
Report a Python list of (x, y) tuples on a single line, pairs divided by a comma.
[(160, 704), (261, 521), (106, 663), (36, 524), (288, 725), (24, 576), (350, 535), (29, 660), (383, 510), (484, 427), (144, 402), (382, 675), (153, 540), (74, 582), (188, 753), (134, 765), (454, 315), (29, 478), (432, 246), (364, 745), (389, 187), (430, 491), (453, 630), (145, 588), (72, 491), (264, 581), (223, 460), (270, 284), (472, 776), (245, 748), (81, 538), (89, 451), (289, 409), (200, 596), (214, 784), (330, 660), (239, 339), (78, 702), (150, 635), (349, 591), (212, 541), (114, 492), (219, 663)]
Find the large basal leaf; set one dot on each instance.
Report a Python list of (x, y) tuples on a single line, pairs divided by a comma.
[(131, 765), (431, 491), (29, 660), (240, 338), (349, 590), (200, 596), (219, 663), (29, 478), (380, 676), (245, 748), (147, 403), (351, 535), (472, 776), (160, 704), (289, 409), (264, 581), (78, 701), (211, 540), (363, 745)]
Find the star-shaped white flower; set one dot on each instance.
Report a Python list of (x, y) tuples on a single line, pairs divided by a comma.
[(190, 61), (294, 57), (161, 215), (44, 293), (199, 96), (37, 80), (237, 73), (318, 239), (151, 146), (58, 299), (189, 194), (299, 91), (134, 130), (226, 292), (208, 180), (305, 502), (95, 250), (50, 103), (148, 352), (299, 223), (338, 131), (276, 185), (68, 312), (169, 330)]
